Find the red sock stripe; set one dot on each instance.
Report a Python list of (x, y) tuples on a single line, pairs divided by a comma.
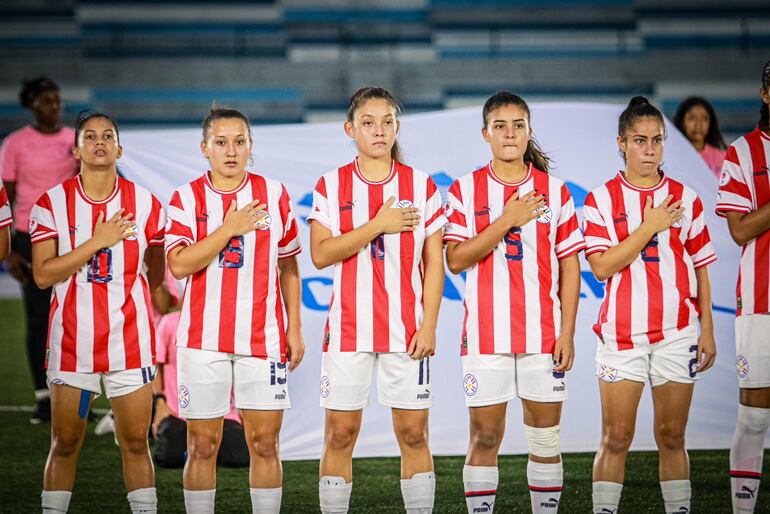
[(473, 494), (552, 489), (745, 474)]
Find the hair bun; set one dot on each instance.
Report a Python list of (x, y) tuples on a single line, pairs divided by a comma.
[(638, 100)]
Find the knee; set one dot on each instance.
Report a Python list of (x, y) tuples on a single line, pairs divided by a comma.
[(133, 442), (413, 435), (341, 436), (64, 445), (670, 437), (265, 446), (486, 438), (617, 438), (202, 446)]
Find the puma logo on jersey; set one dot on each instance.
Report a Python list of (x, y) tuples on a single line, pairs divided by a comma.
[(484, 211), (761, 172), (203, 218), (622, 217), (347, 206)]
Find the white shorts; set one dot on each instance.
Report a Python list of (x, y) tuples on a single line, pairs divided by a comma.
[(116, 383), (672, 359), (752, 348), (209, 380), (402, 382), (498, 378)]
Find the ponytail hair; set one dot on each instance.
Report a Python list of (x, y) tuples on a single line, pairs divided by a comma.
[(372, 92), (533, 154), (223, 113), (764, 111)]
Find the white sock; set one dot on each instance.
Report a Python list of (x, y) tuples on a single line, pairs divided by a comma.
[(266, 501), (746, 455), (143, 501), (606, 497), (199, 502), (676, 496), (418, 493), (334, 495), (480, 484), (545, 484), (55, 502)]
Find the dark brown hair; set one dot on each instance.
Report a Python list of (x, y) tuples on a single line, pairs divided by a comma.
[(764, 111), (533, 153), (87, 114), (223, 113), (31, 88), (369, 93), (639, 107), (714, 135)]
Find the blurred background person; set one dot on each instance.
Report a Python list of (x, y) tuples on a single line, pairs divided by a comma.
[(33, 159), (696, 119)]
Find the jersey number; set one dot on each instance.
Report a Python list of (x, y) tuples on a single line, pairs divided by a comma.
[(514, 250), (232, 255), (100, 267), (694, 361), (277, 373), (650, 252), (377, 248)]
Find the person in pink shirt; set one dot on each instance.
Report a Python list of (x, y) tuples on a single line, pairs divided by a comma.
[(34, 159), (696, 119), (168, 428)]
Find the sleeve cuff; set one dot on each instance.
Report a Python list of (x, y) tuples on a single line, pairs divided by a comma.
[(43, 236), (575, 248), (290, 253), (596, 249), (705, 261), (181, 241)]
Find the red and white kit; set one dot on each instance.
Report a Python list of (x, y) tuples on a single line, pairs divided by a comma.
[(512, 306), (101, 317), (376, 306), (511, 295), (5, 208), (656, 295), (377, 297), (744, 186), (234, 304)]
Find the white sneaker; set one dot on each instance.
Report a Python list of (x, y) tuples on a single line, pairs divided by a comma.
[(105, 425)]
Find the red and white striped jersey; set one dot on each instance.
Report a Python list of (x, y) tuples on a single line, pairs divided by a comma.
[(656, 295), (512, 295), (234, 304), (101, 317), (376, 302), (5, 207), (744, 186)]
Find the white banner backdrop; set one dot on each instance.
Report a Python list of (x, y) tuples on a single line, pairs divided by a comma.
[(580, 138)]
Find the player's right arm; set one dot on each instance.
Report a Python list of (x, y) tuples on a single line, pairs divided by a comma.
[(184, 260), (656, 219), (747, 226), (48, 268), (516, 213), (326, 249)]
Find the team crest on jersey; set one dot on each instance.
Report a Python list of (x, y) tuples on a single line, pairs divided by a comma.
[(607, 373), (724, 178), (677, 223), (544, 214), (448, 210), (133, 232), (263, 220), (326, 386), (470, 384), (404, 204), (32, 225), (742, 366), (183, 396)]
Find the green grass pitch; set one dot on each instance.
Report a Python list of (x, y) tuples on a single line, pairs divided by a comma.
[(99, 486)]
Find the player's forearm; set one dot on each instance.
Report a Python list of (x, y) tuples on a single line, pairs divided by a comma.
[(745, 227), (339, 248), (704, 299), (291, 291), (461, 256), (612, 261), (186, 260), (157, 383), (433, 280), (569, 292), (52, 270)]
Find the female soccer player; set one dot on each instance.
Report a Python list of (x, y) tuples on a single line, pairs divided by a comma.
[(5, 223), (92, 236), (232, 234), (744, 199), (512, 226), (646, 236), (696, 119), (33, 159), (378, 221)]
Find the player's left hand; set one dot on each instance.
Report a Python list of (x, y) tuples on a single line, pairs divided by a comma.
[(423, 344), (707, 350), (564, 353), (295, 348)]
